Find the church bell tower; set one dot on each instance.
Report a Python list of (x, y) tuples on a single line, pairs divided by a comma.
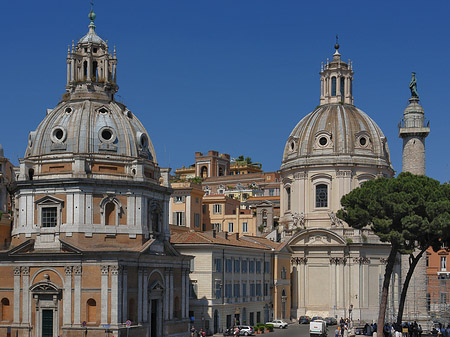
[(413, 130)]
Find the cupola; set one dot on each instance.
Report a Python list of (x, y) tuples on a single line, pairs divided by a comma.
[(336, 78)]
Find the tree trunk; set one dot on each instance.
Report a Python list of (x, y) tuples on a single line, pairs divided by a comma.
[(412, 265), (385, 289)]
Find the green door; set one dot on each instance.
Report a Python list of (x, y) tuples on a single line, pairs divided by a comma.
[(47, 323)]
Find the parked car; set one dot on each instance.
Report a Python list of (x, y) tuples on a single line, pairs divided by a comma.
[(245, 330), (330, 320), (304, 320), (278, 323), (316, 318)]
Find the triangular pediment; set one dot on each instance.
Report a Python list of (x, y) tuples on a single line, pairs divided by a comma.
[(49, 200)]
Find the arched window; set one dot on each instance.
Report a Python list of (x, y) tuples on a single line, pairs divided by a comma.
[(5, 310), (322, 195), (204, 172), (288, 197), (91, 311), (264, 218), (110, 214), (94, 70), (85, 70), (342, 86), (220, 171), (283, 273), (333, 86)]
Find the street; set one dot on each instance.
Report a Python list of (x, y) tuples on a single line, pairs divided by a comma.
[(294, 329)]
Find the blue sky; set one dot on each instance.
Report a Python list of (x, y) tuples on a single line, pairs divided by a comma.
[(232, 75)]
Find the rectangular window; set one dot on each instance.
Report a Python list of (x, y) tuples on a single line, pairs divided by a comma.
[(267, 267), (218, 290), (228, 290), (245, 227), (237, 290), (229, 266), (218, 265), (217, 209), (443, 263), (196, 200), (179, 199), (252, 289), (288, 197), (203, 209), (258, 267), (191, 265), (258, 289), (237, 266), (193, 290), (266, 289), (230, 227), (217, 227), (251, 266), (244, 289), (322, 195), (178, 218), (271, 192), (244, 266), (197, 219), (49, 216)]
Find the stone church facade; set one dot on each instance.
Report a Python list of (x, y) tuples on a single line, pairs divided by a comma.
[(90, 242), (336, 270)]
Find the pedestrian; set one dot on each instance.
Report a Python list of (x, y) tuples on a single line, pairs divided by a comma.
[(420, 330)]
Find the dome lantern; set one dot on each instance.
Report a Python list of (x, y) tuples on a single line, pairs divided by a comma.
[(336, 80), (91, 69)]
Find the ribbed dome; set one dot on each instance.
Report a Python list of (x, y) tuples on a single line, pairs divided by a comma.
[(336, 134), (90, 126)]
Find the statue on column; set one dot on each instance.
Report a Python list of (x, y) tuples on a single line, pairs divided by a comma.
[(413, 86)]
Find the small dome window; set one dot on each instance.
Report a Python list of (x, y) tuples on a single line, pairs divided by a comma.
[(362, 141), (144, 140), (103, 110), (68, 110), (323, 141), (107, 135), (292, 146), (58, 134)]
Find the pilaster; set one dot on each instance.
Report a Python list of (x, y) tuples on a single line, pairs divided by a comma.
[(16, 315), (77, 295), (67, 297), (25, 295), (104, 294)]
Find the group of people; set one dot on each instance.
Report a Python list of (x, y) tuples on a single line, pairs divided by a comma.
[(407, 329), (342, 329), (441, 330), (197, 333)]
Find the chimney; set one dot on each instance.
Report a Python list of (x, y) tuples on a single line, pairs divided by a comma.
[(214, 233)]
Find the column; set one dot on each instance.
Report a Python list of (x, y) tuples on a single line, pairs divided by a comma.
[(16, 318), (188, 211), (68, 72), (140, 295), (72, 70), (298, 286), (114, 294), (25, 294), (125, 294), (333, 282), (183, 293), (187, 292), (171, 295), (67, 296), (145, 297), (166, 295), (104, 294), (77, 295)]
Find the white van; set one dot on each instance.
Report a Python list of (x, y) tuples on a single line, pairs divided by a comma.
[(318, 328)]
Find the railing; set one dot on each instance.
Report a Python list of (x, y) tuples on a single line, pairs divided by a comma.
[(418, 122)]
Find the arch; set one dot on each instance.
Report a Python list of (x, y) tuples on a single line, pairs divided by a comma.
[(33, 277), (5, 310), (160, 280), (204, 172), (111, 211), (342, 87), (334, 238), (91, 311), (155, 216)]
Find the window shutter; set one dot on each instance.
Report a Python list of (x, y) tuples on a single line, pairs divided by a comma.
[(183, 218), (174, 218)]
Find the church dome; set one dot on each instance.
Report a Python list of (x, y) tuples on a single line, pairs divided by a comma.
[(90, 126), (336, 132)]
